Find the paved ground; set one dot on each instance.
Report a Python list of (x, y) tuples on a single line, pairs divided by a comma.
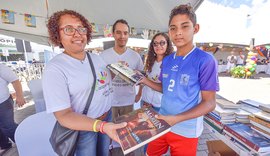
[(233, 89)]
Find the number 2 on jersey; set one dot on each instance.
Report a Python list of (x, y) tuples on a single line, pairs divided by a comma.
[(170, 87)]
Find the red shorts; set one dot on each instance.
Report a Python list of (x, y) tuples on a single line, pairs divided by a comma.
[(179, 145)]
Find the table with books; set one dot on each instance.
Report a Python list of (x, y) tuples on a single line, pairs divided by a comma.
[(244, 127)]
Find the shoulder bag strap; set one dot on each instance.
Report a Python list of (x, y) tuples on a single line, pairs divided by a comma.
[(93, 86)]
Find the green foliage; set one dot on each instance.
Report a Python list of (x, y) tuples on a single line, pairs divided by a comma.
[(238, 72)]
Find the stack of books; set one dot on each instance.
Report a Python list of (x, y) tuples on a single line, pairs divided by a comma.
[(261, 121), (225, 116), (230, 121), (248, 138), (226, 104), (242, 116), (224, 113), (213, 122)]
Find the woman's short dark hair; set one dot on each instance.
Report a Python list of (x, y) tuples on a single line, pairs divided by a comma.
[(151, 52), (184, 9), (53, 26)]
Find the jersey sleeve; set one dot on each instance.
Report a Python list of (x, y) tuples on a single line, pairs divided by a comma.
[(208, 75)]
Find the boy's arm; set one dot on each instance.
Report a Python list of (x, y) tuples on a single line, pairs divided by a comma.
[(207, 104)]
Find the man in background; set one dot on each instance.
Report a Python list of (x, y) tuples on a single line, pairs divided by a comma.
[(240, 59), (123, 93), (231, 61)]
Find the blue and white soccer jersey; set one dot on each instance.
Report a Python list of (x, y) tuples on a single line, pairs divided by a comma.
[(183, 79)]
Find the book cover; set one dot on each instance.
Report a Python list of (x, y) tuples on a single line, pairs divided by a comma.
[(263, 128), (261, 131), (129, 75), (250, 109), (249, 136), (250, 102), (142, 127), (263, 115), (237, 142), (265, 107), (224, 112), (259, 121), (214, 119), (218, 128), (227, 104)]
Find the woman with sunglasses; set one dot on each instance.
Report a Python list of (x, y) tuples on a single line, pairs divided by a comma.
[(160, 47), (67, 82)]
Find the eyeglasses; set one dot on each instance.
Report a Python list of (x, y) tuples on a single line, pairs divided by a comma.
[(161, 43), (70, 31)]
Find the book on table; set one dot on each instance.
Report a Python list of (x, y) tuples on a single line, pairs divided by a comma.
[(250, 102), (263, 115), (227, 104), (260, 121), (142, 128), (265, 107), (222, 112), (248, 136), (255, 126), (123, 71)]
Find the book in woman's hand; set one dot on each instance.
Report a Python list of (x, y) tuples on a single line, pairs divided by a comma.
[(142, 127), (129, 75)]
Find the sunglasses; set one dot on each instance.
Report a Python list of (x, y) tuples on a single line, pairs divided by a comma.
[(70, 31), (161, 43)]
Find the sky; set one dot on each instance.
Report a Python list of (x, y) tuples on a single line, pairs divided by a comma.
[(234, 21)]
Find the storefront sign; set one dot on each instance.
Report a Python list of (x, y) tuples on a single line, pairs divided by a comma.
[(7, 41)]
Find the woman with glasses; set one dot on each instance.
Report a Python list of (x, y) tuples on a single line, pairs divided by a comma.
[(160, 47), (67, 82)]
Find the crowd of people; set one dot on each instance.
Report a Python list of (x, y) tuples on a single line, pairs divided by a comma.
[(180, 85)]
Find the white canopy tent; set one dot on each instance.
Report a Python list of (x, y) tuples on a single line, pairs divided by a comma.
[(140, 14)]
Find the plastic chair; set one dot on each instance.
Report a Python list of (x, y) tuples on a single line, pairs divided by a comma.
[(35, 87), (33, 133)]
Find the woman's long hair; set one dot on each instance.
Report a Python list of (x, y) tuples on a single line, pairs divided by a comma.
[(152, 56)]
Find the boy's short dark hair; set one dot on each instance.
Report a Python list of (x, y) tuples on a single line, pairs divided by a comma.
[(184, 9), (120, 21)]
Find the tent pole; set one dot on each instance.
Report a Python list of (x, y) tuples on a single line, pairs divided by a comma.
[(26, 62)]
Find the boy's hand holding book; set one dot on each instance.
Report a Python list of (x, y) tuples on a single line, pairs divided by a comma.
[(171, 120)]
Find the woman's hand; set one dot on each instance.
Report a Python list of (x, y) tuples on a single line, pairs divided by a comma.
[(143, 80), (110, 129), (137, 98)]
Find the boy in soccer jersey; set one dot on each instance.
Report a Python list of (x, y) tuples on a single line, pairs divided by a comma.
[(189, 84)]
